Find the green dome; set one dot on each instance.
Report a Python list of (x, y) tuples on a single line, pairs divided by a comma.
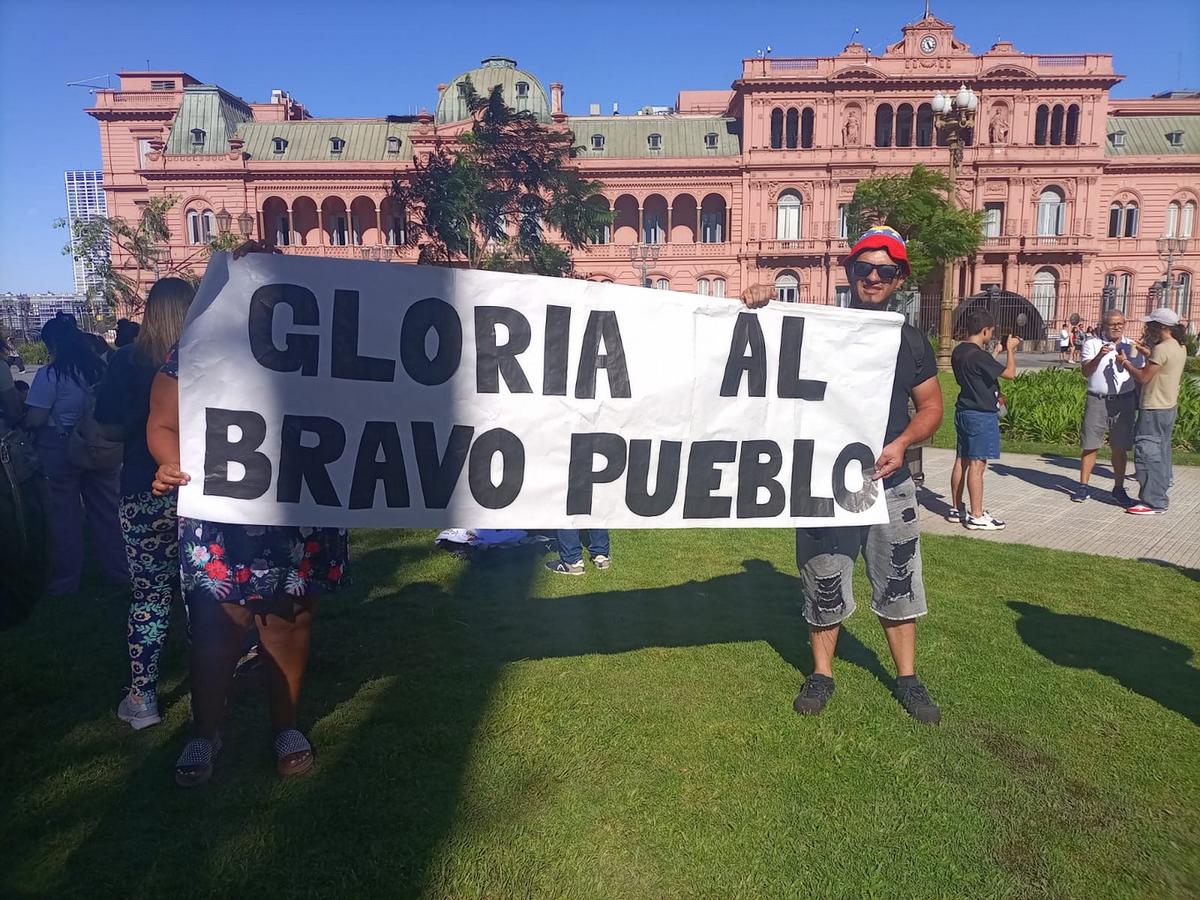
[(521, 90)]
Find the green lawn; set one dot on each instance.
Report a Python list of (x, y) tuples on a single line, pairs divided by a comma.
[(492, 730), (944, 437)]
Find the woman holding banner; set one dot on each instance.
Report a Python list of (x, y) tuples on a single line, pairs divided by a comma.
[(235, 576), (148, 522)]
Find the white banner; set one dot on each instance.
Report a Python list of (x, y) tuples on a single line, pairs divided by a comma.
[(325, 392)]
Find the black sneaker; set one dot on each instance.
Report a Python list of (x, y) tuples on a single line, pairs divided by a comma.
[(814, 695), (1121, 497), (916, 700)]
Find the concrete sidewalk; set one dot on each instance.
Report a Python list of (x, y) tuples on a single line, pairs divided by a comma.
[(1031, 494)]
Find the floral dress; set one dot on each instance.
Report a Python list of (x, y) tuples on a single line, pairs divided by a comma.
[(257, 566)]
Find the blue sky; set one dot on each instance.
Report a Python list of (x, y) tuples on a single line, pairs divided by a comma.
[(353, 58)]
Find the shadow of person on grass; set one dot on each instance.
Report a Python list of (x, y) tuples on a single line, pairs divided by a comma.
[(1145, 663), (405, 681), (1193, 574)]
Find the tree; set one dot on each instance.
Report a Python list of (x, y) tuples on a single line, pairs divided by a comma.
[(919, 206), (489, 203), (137, 248)]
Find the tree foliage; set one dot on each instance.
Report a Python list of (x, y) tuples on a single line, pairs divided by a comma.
[(490, 203), (121, 252), (917, 205)]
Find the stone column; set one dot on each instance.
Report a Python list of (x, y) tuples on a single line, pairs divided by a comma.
[(291, 227), (699, 220), (324, 238), (641, 234), (379, 239)]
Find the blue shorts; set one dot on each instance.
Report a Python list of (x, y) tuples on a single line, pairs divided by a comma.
[(978, 434)]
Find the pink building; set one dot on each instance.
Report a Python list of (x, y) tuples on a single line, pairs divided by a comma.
[(732, 186)]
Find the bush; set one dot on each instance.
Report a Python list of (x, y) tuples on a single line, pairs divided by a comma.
[(33, 353), (1047, 407)]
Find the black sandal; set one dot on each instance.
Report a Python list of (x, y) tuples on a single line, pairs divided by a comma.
[(195, 764)]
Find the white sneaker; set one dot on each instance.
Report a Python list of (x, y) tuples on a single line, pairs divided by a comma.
[(600, 561), (140, 713), (986, 522)]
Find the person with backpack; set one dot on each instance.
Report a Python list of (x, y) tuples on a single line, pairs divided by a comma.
[(148, 523), (60, 404)]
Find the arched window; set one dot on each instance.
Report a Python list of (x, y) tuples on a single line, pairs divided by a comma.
[(718, 287), (924, 125), (883, 125), (1051, 212), (278, 145), (193, 227), (710, 141), (702, 287), (788, 216), (197, 137), (1131, 220), (1116, 213), (787, 287), (1041, 125), (1181, 295), (1173, 210), (208, 223), (1073, 124), (1186, 219), (904, 125), (776, 128), (654, 141), (1056, 125), (393, 144), (806, 128), (597, 142), (522, 89), (1045, 294), (662, 284), (793, 129), (336, 145)]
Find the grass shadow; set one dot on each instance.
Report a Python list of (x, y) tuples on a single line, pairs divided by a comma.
[(1145, 663), (1193, 574)]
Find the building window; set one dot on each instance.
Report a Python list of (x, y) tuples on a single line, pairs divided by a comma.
[(787, 287), (1056, 125), (1173, 210), (602, 234), (993, 219), (1131, 220), (396, 235), (1045, 294), (193, 227), (336, 145), (1117, 138), (1115, 213), (662, 284), (702, 287), (883, 125), (143, 150), (710, 141), (337, 234), (654, 142), (712, 227), (792, 135), (1041, 125), (1186, 219), (201, 226), (807, 120), (1181, 295), (156, 85), (209, 223), (904, 125), (597, 142), (841, 295), (278, 145), (283, 237), (787, 216), (462, 90), (522, 89), (1051, 213), (776, 129), (843, 213), (197, 137), (1073, 124), (718, 287), (393, 144), (652, 229), (1175, 138), (925, 125)]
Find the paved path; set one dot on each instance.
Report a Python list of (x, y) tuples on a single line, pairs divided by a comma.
[(1031, 494)]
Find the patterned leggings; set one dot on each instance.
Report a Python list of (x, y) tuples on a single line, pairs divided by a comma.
[(151, 532)]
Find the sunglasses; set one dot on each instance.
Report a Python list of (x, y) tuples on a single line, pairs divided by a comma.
[(887, 271)]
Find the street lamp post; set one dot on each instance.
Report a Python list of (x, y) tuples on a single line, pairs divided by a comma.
[(1168, 249), (953, 114), (643, 256)]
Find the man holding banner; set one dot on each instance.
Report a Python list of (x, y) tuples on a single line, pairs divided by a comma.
[(877, 266)]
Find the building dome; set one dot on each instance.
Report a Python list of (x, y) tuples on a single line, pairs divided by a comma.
[(521, 90)]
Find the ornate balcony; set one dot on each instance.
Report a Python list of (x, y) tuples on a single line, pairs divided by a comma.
[(617, 252)]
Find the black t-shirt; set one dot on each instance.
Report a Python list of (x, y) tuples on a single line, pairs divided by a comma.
[(977, 373), (915, 364), (123, 398)]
